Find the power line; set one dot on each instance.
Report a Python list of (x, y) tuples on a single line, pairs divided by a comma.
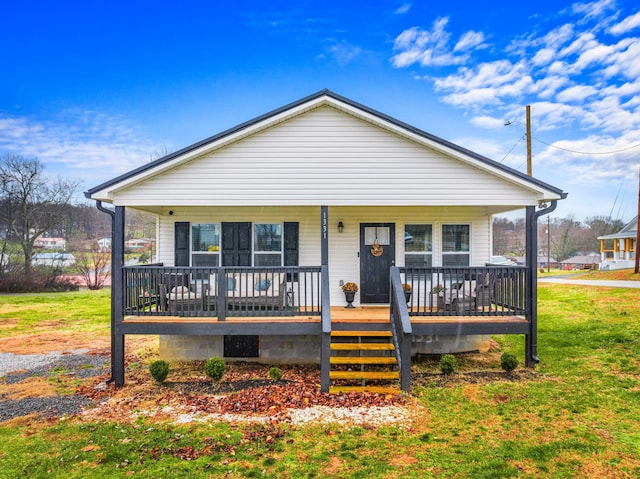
[(585, 152), (512, 148)]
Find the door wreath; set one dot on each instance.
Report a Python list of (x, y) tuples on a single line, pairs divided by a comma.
[(376, 249)]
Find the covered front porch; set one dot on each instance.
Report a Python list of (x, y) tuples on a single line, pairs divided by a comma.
[(236, 302)]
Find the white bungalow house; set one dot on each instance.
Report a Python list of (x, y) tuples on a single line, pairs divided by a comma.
[(618, 250), (50, 243), (258, 228)]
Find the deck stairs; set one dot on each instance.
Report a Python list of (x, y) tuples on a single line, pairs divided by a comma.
[(363, 360)]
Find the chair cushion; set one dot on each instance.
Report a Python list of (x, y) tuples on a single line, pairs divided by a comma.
[(263, 285)]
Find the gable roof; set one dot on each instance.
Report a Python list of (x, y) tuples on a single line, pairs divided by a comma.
[(628, 231), (323, 97)]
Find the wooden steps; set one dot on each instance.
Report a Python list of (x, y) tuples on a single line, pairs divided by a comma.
[(362, 346), (372, 334), (363, 361), (364, 375), (367, 389)]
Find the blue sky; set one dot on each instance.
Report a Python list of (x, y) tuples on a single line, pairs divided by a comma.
[(95, 89)]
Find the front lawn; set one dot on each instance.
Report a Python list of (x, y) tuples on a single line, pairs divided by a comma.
[(576, 416)]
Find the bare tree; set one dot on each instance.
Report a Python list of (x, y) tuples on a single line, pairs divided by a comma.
[(92, 264), (563, 234), (32, 203), (600, 226)]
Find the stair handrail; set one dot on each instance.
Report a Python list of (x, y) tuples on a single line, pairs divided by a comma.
[(401, 329)]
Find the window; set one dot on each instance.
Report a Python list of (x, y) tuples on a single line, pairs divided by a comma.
[(418, 246), (455, 246), (267, 244), (205, 244)]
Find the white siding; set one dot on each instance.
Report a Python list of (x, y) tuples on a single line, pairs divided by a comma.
[(325, 157), (344, 263)]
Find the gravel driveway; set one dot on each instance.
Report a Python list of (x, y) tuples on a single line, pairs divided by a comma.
[(15, 368)]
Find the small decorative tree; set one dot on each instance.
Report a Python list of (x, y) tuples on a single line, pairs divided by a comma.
[(508, 362), (159, 370), (215, 368), (275, 374), (448, 364)]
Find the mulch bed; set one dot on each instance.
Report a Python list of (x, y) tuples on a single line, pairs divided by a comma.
[(245, 388)]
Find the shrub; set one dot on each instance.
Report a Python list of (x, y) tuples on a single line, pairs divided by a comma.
[(159, 370), (214, 368), (448, 364), (508, 362), (275, 374)]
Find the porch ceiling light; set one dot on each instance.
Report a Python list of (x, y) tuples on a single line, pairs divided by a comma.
[(340, 226)]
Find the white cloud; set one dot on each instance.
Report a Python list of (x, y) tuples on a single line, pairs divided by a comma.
[(595, 9), (344, 52), (630, 23), (92, 145), (577, 93), (402, 9), (625, 61), (431, 47), (581, 78), (543, 57), (470, 40), (487, 122), (549, 85)]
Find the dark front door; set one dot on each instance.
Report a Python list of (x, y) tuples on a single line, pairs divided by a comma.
[(377, 256)]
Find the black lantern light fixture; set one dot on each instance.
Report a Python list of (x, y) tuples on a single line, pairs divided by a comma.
[(340, 226)]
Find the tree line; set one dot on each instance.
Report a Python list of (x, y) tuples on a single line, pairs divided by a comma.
[(32, 206), (559, 238)]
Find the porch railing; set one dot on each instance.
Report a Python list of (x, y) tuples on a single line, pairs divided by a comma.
[(401, 329), (222, 292), (469, 291)]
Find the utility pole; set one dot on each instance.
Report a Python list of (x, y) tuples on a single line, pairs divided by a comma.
[(637, 268), (548, 243), (529, 167)]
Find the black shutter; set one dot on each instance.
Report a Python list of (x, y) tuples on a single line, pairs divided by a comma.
[(181, 257), (236, 244), (291, 244)]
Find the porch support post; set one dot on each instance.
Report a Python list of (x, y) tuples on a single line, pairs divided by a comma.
[(325, 338), (117, 297), (324, 239), (531, 339)]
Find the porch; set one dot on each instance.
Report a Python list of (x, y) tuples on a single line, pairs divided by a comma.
[(293, 301)]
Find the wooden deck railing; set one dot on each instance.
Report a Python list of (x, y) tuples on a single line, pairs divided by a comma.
[(222, 292), (470, 291), (401, 329)]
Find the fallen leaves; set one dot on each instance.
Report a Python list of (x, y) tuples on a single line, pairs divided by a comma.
[(243, 391)]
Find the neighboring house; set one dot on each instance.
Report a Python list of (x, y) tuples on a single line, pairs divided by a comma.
[(50, 243), (104, 244), (61, 260), (137, 243), (590, 261), (260, 226), (618, 250)]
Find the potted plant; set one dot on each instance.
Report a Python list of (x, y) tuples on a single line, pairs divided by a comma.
[(437, 299), (350, 289), (407, 291)]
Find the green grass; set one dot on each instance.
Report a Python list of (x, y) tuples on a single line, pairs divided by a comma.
[(578, 418), (84, 311)]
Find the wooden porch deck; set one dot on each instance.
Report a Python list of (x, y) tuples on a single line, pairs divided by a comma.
[(372, 316)]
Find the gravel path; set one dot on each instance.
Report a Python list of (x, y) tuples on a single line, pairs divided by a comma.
[(23, 366)]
